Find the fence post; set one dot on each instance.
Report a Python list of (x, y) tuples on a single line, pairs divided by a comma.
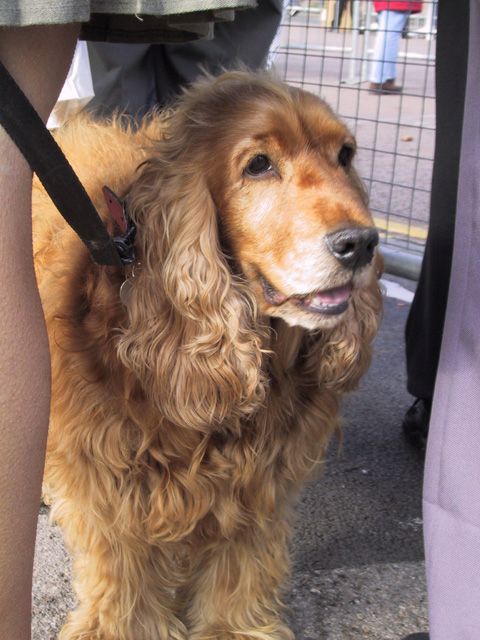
[(366, 43), (353, 77)]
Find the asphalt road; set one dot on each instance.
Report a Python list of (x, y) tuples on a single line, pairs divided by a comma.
[(358, 568)]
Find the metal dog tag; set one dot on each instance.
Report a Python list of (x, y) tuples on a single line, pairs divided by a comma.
[(125, 291)]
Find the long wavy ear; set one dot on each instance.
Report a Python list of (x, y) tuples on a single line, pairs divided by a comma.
[(192, 339), (345, 352)]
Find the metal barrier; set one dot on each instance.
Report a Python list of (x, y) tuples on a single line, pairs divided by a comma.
[(330, 54)]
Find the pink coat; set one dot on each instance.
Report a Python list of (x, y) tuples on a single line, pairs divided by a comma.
[(391, 5)]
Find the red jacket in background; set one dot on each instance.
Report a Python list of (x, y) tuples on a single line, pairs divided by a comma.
[(392, 5)]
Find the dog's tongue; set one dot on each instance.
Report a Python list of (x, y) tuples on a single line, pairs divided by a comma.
[(331, 297)]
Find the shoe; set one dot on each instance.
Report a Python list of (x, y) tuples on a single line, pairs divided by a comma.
[(415, 423), (389, 85), (385, 88), (417, 636)]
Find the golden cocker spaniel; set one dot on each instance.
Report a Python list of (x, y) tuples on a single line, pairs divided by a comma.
[(186, 417)]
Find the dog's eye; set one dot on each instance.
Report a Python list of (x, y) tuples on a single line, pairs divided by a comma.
[(258, 166), (345, 155)]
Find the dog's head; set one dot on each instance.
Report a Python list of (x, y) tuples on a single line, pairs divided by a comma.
[(250, 203), (291, 210)]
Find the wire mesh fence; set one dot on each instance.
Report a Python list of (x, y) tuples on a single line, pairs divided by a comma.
[(327, 47)]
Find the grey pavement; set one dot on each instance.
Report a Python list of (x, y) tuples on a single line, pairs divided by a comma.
[(358, 568)]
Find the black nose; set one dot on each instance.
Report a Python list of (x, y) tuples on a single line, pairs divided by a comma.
[(353, 247)]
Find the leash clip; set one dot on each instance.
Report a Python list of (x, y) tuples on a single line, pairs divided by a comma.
[(125, 242)]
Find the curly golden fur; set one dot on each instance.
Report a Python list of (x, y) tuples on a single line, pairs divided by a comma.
[(185, 422)]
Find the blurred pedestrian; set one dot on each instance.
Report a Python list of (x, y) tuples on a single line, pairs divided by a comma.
[(340, 6), (392, 20)]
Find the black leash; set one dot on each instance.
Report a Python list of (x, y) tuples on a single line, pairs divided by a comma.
[(35, 142)]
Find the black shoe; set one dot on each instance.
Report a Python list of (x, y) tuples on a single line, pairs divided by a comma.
[(417, 636), (415, 424), (385, 88)]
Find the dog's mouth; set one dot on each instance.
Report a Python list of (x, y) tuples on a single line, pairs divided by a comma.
[(329, 301)]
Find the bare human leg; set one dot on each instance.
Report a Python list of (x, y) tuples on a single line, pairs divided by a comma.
[(38, 58)]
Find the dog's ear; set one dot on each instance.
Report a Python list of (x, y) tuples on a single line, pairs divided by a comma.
[(346, 350), (192, 339)]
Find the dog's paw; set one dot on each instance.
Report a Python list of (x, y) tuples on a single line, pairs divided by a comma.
[(153, 629), (274, 631)]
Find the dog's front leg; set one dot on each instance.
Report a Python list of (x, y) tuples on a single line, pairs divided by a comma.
[(235, 592), (125, 591)]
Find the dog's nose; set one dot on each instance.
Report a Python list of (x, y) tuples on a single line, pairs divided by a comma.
[(353, 247)]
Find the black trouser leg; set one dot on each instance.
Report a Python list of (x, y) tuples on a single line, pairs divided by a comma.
[(425, 321)]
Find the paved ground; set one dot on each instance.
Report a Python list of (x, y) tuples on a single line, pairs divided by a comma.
[(358, 553)]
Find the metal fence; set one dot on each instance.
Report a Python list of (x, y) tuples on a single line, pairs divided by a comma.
[(330, 54)]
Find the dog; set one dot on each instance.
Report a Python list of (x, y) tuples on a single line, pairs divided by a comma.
[(187, 413)]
